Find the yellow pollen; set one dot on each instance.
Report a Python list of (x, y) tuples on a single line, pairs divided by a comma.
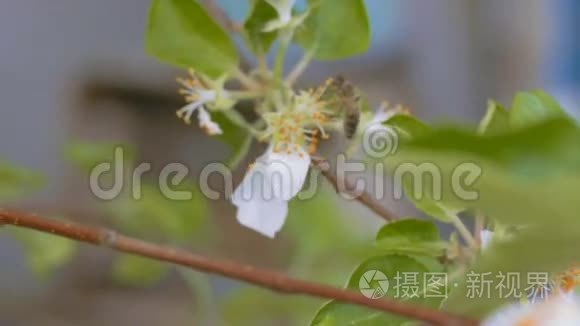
[(526, 322)]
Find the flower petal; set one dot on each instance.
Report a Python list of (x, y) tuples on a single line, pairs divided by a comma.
[(275, 175), (186, 111), (485, 236), (253, 187), (262, 197), (288, 172), (265, 217), (556, 310), (205, 123), (382, 114)]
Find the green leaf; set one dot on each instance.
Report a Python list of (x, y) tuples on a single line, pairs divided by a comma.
[(419, 188), (421, 195), (17, 181), (533, 107), (137, 271), (495, 121), (537, 249), (530, 180), (180, 32), (44, 252), (260, 13), (411, 237), (365, 277), (407, 126), (540, 150), (335, 29)]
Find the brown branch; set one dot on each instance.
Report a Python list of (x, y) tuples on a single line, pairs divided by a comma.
[(364, 198), (261, 277)]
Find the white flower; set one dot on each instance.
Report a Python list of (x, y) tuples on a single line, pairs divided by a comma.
[(284, 10), (558, 310), (384, 114), (485, 236), (205, 123), (198, 96), (275, 178)]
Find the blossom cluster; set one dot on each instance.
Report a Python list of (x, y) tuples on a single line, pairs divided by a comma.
[(293, 129)]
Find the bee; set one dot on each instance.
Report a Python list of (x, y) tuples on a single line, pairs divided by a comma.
[(347, 102)]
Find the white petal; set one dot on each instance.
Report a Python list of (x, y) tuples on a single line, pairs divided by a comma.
[(207, 124), (262, 197), (273, 25), (288, 172), (205, 95), (274, 175), (382, 114), (253, 186), (186, 111), (509, 315), (265, 217), (556, 310), (485, 236), (283, 8)]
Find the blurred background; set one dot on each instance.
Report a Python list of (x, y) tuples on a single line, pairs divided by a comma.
[(74, 81)]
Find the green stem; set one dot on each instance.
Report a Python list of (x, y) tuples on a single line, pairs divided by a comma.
[(281, 54), (463, 231), (244, 95), (479, 227), (237, 119), (245, 80), (262, 65), (299, 68), (201, 289)]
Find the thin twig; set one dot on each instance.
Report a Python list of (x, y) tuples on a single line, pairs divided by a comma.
[(261, 277), (364, 198), (478, 228), (463, 231), (229, 25), (299, 68), (220, 15)]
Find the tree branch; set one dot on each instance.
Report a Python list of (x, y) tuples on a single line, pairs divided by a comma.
[(260, 277), (364, 198)]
